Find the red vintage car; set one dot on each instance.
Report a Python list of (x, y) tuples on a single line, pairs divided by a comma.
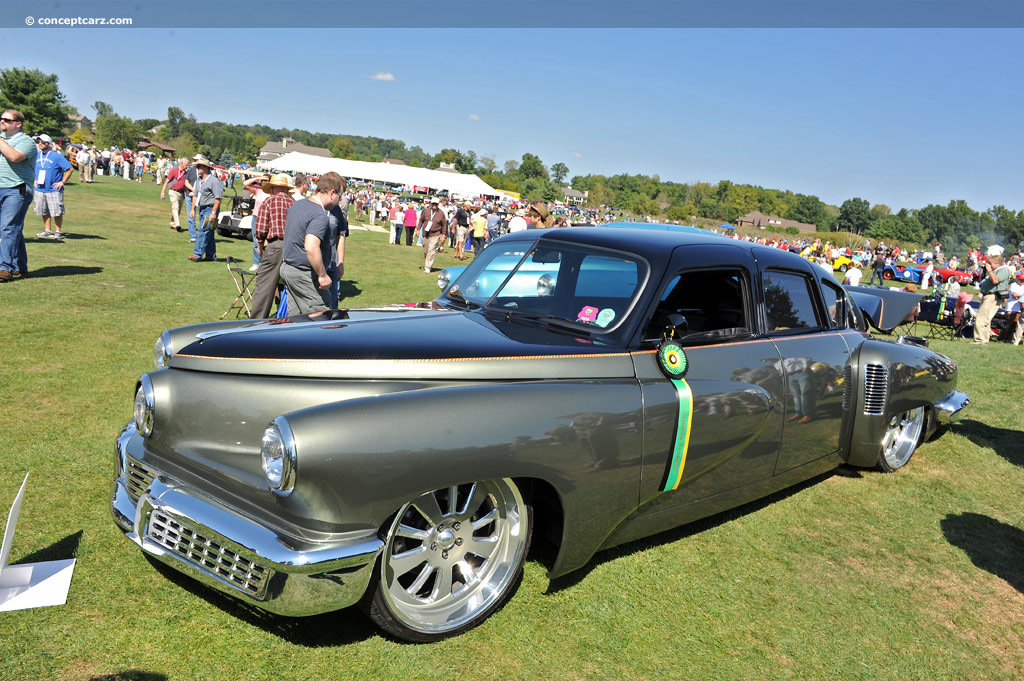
[(963, 276)]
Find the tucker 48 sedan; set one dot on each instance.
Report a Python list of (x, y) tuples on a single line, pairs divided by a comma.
[(587, 386)]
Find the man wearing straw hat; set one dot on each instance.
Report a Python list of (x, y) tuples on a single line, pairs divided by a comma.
[(208, 192), (268, 235)]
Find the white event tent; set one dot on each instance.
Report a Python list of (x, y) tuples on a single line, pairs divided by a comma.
[(455, 183)]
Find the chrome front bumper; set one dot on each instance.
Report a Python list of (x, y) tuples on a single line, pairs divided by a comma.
[(213, 544), (950, 407)]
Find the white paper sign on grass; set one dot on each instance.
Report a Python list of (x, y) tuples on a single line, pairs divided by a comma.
[(32, 585)]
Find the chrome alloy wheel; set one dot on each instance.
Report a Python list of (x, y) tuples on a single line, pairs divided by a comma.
[(900, 439), (452, 556)]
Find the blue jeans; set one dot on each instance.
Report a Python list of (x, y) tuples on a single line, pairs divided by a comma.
[(255, 253), (876, 273), (188, 212), (13, 206), (206, 246)]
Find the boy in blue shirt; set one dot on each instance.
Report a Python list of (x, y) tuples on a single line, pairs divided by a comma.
[(52, 171)]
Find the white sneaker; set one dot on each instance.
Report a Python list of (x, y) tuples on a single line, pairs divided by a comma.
[(45, 234), (426, 270), (254, 268), (57, 236)]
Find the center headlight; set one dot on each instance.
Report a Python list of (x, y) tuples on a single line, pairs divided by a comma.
[(545, 285), (277, 454), (144, 405), (162, 350), (443, 280)]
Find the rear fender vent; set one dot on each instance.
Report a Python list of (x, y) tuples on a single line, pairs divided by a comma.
[(847, 387), (876, 388)]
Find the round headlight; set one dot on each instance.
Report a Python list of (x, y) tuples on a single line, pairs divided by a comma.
[(162, 350), (545, 285), (277, 454), (143, 408), (443, 280)]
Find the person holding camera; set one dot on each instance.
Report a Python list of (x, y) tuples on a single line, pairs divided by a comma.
[(994, 289)]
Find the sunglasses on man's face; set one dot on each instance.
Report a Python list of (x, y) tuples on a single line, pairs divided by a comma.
[(9, 120)]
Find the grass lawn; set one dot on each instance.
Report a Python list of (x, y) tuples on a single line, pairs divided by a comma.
[(858, 575)]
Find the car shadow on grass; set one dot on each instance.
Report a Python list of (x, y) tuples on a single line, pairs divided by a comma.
[(687, 530), (62, 271), (1004, 441), (337, 628), (131, 675), (990, 544), (61, 550)]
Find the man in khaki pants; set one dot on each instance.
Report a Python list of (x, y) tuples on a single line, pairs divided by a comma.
[(994, 289)]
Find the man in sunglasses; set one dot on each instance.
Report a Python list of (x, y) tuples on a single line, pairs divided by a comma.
[(17, 161)]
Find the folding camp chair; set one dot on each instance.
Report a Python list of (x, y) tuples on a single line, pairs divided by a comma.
[(243, 280), (946, 321)]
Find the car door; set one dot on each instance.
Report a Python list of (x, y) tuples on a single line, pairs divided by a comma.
[(813, 358), (716, 427)]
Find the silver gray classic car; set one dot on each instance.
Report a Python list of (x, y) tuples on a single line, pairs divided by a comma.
[(589, 386)]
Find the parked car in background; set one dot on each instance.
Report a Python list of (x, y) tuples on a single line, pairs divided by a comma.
[(964, 277), (627, 381), (911, 273)]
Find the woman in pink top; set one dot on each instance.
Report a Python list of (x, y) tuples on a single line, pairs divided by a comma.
[(409, 223)]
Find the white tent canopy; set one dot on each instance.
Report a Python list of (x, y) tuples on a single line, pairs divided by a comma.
[(455, 183)]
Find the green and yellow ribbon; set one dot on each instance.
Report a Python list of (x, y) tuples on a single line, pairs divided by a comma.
[(672, 360)]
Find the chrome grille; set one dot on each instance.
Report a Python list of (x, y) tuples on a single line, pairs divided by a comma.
[(847, 387), (137, 478), (876, 382), (177, 536)]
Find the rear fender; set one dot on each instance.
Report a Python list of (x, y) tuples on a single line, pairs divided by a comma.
[(892, 378)]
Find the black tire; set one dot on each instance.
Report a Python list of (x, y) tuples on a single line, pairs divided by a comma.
[(430, 583), (887, 275), (902, 436), (844, 267), (223, 232)]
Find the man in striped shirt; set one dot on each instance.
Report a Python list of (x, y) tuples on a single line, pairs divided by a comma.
[(268, 234)]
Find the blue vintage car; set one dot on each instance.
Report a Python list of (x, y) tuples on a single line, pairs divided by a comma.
[(580, 387)]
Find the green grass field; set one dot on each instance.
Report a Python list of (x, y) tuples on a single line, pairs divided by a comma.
[(858, 575)]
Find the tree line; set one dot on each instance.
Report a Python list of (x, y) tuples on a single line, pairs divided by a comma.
[(956, 225)]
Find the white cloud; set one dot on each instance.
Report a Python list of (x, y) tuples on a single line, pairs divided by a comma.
[(474, 117), (577, 154), (380, 75)]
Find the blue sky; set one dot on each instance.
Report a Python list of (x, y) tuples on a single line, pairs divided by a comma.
[(903, 117)]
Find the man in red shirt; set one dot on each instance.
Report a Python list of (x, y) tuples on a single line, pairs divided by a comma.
[(268, 235), (175, 182)]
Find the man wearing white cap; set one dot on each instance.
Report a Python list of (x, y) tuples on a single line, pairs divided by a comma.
[(52, 171)]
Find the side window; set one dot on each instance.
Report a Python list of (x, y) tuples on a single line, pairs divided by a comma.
[(714, 304), (835, 304), (789, 304)]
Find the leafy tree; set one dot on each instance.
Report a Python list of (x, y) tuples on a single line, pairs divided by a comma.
[(36, 95), (175, 117), (854, 216), (808, 209), (644, 205), (678, 213), (888, 227), (511, 167), (226, 159), (559, 171), (487, 164), (79, 136), (147, 123), (117, 131), (531, 167), (342, 148), (102, 109), (599, 195)]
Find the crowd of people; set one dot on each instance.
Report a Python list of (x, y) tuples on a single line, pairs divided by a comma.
[(300, 225)]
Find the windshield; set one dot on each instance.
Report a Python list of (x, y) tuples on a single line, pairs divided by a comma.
[(556, 282)]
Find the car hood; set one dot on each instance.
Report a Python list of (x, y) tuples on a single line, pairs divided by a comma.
[(404, 343)]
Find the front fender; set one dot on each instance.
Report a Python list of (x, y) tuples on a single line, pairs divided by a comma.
[(360, 460), (893, 378)]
